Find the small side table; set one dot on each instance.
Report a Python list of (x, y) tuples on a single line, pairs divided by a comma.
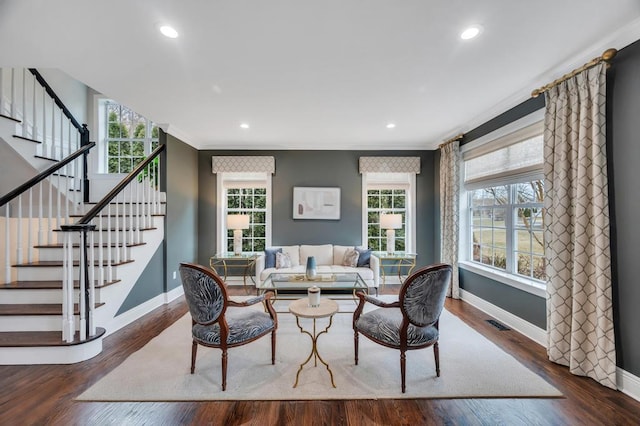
[(399, 259), (231, 260), (301, 309)]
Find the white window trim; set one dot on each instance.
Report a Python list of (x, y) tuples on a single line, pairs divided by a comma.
[(410, 232), (221, 207), (527, 126)]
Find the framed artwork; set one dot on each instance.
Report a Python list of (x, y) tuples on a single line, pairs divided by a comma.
[(316, 203)]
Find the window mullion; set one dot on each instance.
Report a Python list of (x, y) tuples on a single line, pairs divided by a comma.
[(510, 231)]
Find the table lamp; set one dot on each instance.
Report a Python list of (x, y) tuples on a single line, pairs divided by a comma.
[(390, 222), (237, 222)]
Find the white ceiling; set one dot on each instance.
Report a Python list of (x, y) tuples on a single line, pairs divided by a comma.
[(314, 74)]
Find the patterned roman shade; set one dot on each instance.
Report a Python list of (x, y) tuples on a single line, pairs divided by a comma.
[(390, 165), (243, 164)]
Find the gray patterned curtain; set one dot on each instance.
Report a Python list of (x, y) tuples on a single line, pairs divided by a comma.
[(449, 206), (579, 306)]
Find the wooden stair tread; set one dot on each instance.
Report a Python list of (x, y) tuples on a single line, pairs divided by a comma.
[(37, 309), (57, 263), (42, 338), (45, 285), (119, 215), (10, 118), (27, 139), (116, 230), (61, 245)]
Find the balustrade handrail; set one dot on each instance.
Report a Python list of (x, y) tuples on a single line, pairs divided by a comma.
[(91, 214), (45, 174), (57, 100)]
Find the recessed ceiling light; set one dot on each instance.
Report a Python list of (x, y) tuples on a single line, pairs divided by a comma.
[(471, 32), (244, 126), (391, 125), (168, 31)]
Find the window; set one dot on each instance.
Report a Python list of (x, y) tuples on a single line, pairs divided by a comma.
[(504, 205), (389, 193), (385, 201), (129, 137), (250, 194), (507, 228), (251, 202)]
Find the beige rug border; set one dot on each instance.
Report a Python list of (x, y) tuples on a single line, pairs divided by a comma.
[(314, 382)]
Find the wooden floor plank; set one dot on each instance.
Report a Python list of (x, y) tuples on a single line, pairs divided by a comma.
[(45, 394)]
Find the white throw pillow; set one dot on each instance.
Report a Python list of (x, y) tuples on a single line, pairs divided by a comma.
[(350, 258), (283, 260)]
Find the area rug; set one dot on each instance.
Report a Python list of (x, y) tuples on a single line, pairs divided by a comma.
[(471, 367)]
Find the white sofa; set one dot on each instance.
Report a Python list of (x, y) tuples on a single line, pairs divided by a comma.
[(328, 260)]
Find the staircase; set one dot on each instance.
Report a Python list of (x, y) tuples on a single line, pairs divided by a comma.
[(66, 265)]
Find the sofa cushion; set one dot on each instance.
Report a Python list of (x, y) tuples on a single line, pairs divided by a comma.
[(350, 258), (283, 260), (338, 254), (270, 257), (323, 254), (294, 254), (364, 256)]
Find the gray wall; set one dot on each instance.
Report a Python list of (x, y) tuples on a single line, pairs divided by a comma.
[(181, 221), (180, 181), (623, 132), (318, 168), (149, 285), (623, 128)]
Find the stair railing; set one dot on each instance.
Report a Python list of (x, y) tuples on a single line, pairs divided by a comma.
[(53, 189), (116, 222), (26, 97)]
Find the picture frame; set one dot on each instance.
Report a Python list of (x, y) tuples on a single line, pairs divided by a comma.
[(316, 203)]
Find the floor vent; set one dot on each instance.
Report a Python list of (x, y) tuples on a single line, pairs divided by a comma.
[(498, 325)]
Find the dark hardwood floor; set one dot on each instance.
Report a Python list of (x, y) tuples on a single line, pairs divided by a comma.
[(44, 394)]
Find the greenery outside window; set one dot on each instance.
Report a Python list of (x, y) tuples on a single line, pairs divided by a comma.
[(130, 137), (252, 202), (388, 193), (385, 201), (507, 228), (247, 193)]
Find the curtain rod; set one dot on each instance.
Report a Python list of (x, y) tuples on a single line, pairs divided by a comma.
[(453, 139), (607, 57)]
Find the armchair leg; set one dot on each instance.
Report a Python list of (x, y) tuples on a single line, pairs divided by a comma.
[(403, 368), (224, 369), (273, 347), (355, 345), (194, 350), (436, 356)]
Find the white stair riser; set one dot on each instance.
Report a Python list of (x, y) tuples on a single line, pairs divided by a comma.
[(28, 296), (58, 253), (55, 273), (32, 323), (127, 208), (124, 222)]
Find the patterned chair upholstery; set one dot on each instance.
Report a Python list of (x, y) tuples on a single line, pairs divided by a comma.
[(412, 321), (214, 325)]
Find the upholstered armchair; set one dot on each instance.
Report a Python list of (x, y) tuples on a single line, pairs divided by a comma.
[(215, 326), (412, 321)]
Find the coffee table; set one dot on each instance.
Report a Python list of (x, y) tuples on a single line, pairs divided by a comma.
[(301, 309), (289, 285)]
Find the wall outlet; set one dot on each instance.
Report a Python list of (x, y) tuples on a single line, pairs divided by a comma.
[(174, 275)]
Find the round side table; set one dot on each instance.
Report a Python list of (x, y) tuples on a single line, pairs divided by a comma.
[(301, 309)]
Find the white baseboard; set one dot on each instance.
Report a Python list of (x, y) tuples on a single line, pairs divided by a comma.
[(139, 311), (533, 332), (628, 383), (172, 295)]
